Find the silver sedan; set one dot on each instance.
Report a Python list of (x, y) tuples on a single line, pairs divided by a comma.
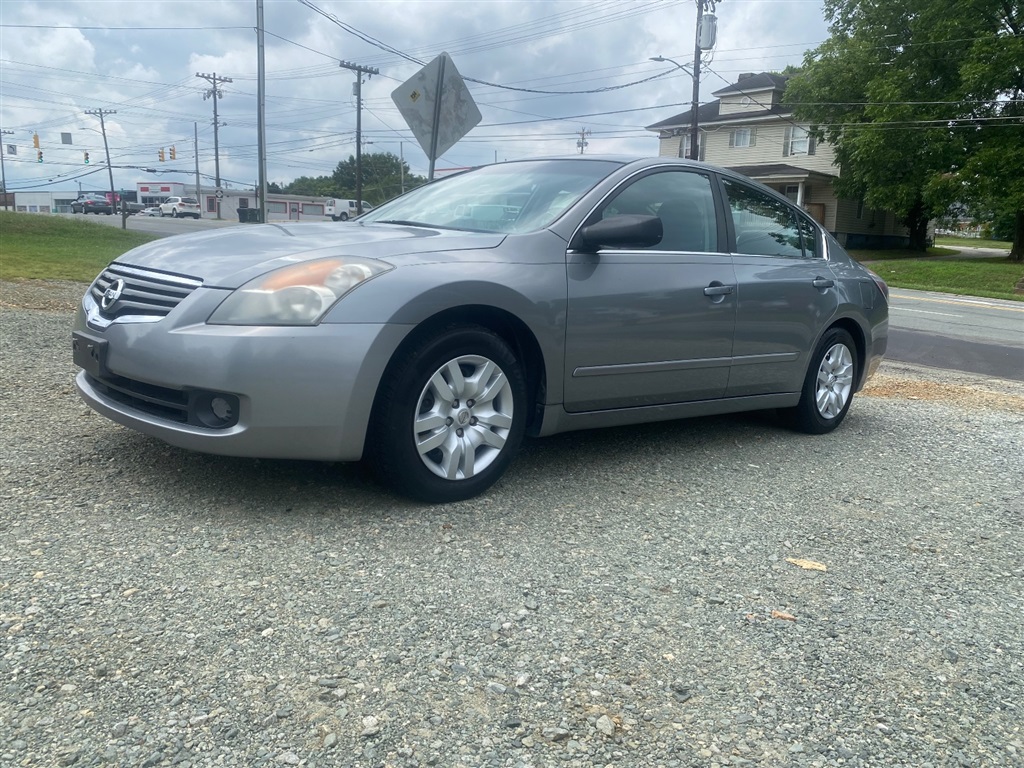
[(523, 298)]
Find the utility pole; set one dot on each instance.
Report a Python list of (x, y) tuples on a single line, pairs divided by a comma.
[(261, 112), (581, 142), (704, 39), (3, 173), (195, 149), (110, 171), (215, 93), (694, 124), (369, 72)]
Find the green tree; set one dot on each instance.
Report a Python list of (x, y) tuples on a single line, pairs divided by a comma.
[(901, 90), (313, 186), (382, 177)]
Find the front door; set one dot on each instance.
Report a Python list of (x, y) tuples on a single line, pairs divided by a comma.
[(652, 326)]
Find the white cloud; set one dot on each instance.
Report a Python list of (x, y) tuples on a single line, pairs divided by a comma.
[(49, 77)]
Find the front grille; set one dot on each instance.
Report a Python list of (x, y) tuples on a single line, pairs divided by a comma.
[(146, 292), (171, 404)]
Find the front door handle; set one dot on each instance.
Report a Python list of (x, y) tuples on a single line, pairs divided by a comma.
[(718, 290), (823, 282)]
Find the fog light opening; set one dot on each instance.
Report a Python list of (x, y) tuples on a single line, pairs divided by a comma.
[(215, 409)]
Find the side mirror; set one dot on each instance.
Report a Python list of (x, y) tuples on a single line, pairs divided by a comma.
[(626, 231)]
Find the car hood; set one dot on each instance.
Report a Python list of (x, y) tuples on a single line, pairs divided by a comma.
[(230, 257)]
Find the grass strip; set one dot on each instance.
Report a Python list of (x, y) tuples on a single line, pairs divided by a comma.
[(41, 247)]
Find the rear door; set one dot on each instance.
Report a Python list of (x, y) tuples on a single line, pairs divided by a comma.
[(650, 326), (785, 290)]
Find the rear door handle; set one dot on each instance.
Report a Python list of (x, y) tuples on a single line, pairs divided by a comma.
[(719, 290), (823, 282)]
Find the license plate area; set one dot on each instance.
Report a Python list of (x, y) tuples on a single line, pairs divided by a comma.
[(90, 354)]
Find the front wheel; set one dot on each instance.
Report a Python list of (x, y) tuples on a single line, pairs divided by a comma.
[(344, 217), (449, 417), (828, 386)]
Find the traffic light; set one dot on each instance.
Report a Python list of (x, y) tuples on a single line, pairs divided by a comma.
[(174, 153), (86, 155), (35, 140), (160, 153), (39, 155)]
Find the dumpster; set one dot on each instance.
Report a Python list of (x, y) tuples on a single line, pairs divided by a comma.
[(248, 215)]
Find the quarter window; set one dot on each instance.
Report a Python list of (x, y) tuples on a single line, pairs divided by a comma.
[(764, 225)]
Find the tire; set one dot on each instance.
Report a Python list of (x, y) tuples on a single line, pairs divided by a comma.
[(828, 387), (416, 444), (174, 213), (161, 214), (344, 217)]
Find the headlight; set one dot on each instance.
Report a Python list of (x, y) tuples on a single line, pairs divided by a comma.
[(299, 294)]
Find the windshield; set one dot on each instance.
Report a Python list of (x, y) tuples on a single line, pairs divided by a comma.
[(508, 197)]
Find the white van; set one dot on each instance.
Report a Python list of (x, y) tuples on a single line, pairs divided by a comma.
[(343, 210)]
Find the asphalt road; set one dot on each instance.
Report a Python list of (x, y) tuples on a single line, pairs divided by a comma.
[(962, 333)]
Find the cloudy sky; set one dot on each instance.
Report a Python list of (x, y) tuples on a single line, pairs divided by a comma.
[(553, 68)]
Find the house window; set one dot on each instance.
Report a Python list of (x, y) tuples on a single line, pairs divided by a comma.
[(312, 209), (742, 137), (211, 204), (275, 206), (793, 192), (243, 202), (797, 141), (684, 146)]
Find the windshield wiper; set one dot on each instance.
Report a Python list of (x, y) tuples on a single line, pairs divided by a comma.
[(406, 223)]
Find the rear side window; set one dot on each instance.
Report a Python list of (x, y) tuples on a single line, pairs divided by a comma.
[(764, 225)]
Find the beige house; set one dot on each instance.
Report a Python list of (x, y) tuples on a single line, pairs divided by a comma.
[(748, 130)]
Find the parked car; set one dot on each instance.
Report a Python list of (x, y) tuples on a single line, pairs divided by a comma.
[(180, 206), (529, 297), (92, 203), (153, 210)]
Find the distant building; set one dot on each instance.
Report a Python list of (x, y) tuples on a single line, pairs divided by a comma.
[(748, 129)]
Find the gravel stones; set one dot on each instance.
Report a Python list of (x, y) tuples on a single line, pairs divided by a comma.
[(609, 603)]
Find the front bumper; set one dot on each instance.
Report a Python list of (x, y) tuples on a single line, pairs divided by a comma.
[(302, 393)]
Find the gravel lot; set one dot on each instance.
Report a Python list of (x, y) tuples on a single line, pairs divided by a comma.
[(623, 597)]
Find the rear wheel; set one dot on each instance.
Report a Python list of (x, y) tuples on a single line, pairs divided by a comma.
[(174, 213), (450, 416), (828, 386)]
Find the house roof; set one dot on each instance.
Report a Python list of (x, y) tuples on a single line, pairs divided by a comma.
[(711, 112), (774, 170), (759, 82), (705, 114)]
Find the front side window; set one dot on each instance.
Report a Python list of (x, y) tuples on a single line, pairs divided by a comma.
[(764, 225), (684, 202)]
